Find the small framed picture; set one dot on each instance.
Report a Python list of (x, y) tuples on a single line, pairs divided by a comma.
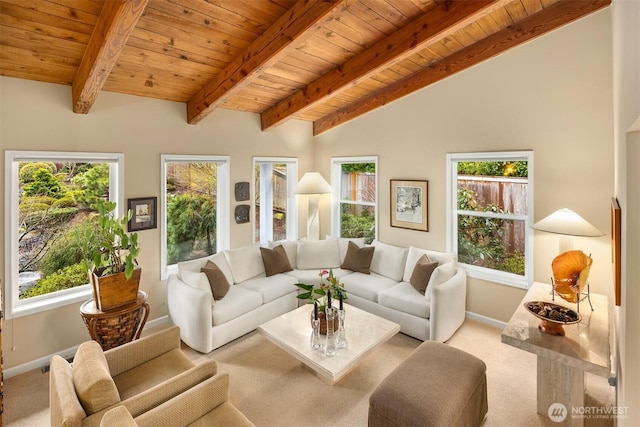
[(144, 213), (409, 204)]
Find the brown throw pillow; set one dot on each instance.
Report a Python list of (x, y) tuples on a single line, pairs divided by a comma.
[(422, 273), (275, 260), (217, 280), (358, 259)]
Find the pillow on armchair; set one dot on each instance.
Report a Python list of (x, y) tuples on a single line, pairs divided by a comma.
[(92, 380)]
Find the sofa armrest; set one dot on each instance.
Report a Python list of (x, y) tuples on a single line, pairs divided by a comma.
[(135, 353), (118, 416), (190, 309), (190, 405), (209, 399), (160, 393), (448, 307)]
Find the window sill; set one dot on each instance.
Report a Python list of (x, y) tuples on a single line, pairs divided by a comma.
[(500, 277), (48, 302)]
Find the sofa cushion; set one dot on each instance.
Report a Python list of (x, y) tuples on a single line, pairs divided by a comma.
[(217, 280), (275, 260), (290, 247), (272, 287), (195, 265), (237, 302), (358, 259), (422, 273), (415, 253), (403, 297), (198, 280), (245, 262), (343, 245), (367, 286), (92, 380), (318, 254), (388, 260), (312, 277)]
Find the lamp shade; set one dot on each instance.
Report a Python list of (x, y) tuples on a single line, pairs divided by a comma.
[(312, 183), (566, 221)]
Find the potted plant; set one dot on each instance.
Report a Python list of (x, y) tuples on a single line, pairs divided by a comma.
[(109, 255), (319, 296)]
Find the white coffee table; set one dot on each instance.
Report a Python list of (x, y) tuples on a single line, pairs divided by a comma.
[(364, 331)]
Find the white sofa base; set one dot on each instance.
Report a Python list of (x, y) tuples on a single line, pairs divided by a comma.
[(414, 326), (192, 319)]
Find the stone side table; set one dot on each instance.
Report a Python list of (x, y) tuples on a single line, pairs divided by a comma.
[(563, 360)]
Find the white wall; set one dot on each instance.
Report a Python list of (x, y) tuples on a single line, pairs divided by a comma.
[(626, 81), (552, 95), (38, 116)]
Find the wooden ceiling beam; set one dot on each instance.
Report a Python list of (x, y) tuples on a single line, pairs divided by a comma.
[(115, 24), (548, 19), (292, 27), (435, 24)]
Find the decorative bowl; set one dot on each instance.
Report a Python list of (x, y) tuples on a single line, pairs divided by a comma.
[(552, 316)]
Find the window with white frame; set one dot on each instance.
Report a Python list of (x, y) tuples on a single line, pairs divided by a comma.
[(48, 196), (489, 213), (355, 185), (274, 200), (194, 208)]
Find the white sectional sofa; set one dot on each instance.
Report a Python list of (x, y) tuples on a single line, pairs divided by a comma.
[(254, 298)]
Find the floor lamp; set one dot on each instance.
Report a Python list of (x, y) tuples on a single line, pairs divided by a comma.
[(313, 185)]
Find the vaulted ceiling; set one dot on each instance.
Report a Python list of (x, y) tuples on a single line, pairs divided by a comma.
[(325, 61)]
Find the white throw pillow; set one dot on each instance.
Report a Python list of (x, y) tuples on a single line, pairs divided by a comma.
[(245, 262), (440, 275), (290, 247), (195, 265), (198, 281), (414, 255), (318, 254), (388, 260)]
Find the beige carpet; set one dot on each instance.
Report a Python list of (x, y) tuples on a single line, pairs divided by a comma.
[(273, 389)]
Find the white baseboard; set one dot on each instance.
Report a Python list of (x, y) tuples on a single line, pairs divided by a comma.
[(68, 353), (486, 320)]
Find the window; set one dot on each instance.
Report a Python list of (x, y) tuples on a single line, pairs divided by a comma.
[(194, 208), (48, 195), (355, 181), (489, 213), (274, 202)]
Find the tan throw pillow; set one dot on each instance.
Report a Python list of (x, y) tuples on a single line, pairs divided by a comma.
[(358, 259), (422, 273), (92, 380), (217, 280), (275, 260)]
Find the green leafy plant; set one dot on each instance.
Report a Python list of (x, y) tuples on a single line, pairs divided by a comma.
[(108, 248), (319, 295)]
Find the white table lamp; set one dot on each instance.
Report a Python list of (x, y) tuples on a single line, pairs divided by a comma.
[(568, 223), (313, 185)]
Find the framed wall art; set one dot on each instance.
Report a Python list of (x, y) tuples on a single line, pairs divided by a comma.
[(409, 207), (615, 248), (145, 213)]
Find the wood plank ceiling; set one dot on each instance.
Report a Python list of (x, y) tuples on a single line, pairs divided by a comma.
[(325, 61)]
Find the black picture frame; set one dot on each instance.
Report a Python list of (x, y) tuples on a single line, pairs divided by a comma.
[(145, 213)]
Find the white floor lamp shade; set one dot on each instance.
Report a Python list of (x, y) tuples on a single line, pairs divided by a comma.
[(313, 185)]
